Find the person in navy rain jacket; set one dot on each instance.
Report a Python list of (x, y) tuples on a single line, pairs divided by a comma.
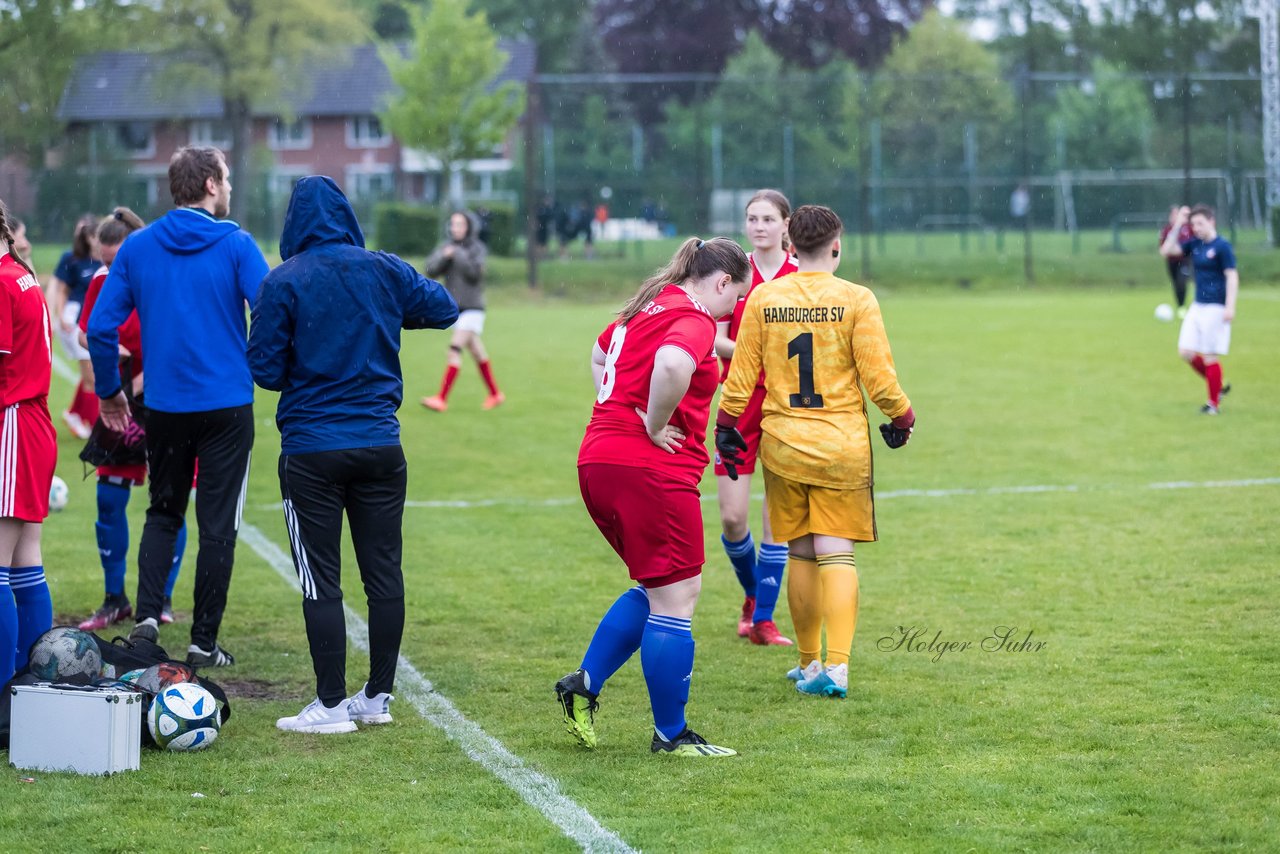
[(189, 275), (325, 333)]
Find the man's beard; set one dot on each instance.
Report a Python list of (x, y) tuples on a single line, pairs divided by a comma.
[(221, 208)]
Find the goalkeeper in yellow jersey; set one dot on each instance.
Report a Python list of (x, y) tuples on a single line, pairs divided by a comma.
[(816, 337)]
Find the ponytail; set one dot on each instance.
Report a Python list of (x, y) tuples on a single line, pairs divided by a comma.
[(86, 226), (118, 225), (6, 236), (695, 259)]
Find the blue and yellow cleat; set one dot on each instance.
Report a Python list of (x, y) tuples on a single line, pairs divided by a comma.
[(832, 682)]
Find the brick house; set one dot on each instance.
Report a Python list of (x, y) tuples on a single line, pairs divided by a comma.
[(119, 104)]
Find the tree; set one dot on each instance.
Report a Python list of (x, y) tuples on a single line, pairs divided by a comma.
[(448, 105), (811, 33), (1106, 122), (935, 82), (251, 52), (39, 43)]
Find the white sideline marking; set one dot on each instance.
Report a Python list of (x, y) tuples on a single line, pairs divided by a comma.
[(536, 789), (1030, 489)]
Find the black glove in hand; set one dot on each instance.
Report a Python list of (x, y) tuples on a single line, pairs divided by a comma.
[(895, 437), (730, 446)]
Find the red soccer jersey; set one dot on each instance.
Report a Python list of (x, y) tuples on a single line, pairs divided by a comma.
[(130, 331), (616, 433), (26, 357), (735, 319)]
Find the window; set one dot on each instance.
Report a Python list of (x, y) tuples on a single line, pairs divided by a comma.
[(370, 184), (294, 135), (366, 132), (215, 133), (136, 139)]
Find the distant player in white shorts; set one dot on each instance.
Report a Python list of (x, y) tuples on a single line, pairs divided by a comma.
[(1206, 330)]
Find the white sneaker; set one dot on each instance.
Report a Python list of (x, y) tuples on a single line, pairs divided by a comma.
[(317, 718), (76, 425), (369, 710)]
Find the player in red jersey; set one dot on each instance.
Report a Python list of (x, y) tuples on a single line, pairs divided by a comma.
[(767, 214), (115, 481), (28, 453), (638, 468)]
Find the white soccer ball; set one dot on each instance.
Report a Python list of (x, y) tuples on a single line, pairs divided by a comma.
[(58, 494), (184, 717), (1164, 312)]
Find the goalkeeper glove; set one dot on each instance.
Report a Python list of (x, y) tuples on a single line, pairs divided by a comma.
[(730, 445), (898, 431)]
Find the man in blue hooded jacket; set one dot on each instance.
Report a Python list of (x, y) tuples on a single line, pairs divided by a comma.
[(189, 275), (325, 333)]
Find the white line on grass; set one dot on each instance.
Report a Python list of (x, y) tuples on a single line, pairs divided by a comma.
[(1029, 489), (538, 790)]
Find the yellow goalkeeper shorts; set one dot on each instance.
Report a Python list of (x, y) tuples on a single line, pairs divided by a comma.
[(796, 509)]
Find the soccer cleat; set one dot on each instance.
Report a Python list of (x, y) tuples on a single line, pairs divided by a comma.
[(1226, 387), (166, 611), (364, 709), (1208, 409), (831, 682), (494, 400), (744, 621), (145, 629), (435, 402), (810, 670), (579, 707), (217, 657), (317, 718), (113, 610), (765, 633), (689, 743), (76, 425)]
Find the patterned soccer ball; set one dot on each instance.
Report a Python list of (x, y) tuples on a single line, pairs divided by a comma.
[(132, 676), (58, 494), (66, 654), (184, 717), (157, 677)]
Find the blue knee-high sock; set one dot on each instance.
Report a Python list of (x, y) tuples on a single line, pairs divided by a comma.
[(666, 655), (179, 547), (617, 638), (8, 627), (769, 568), (742, 555), (113, 535), (35, 608)]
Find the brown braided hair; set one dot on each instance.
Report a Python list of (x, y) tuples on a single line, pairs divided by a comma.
[(6, 236)]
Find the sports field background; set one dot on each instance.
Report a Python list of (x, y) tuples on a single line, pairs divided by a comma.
[(1060, 481)]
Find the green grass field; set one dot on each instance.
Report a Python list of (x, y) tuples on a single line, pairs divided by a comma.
[(1060, 481)]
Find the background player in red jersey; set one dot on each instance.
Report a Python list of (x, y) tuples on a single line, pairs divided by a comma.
[(761, 578), (28, 454), (67, 288), (638, 468), (116, 481)]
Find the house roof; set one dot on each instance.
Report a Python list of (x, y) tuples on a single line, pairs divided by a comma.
[(132, 86)]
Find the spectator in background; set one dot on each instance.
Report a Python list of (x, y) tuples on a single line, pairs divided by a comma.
[(1179, 269), (66, 295), (546, 220), (460, 260), (188, 274), (339, 437), (30, 454)]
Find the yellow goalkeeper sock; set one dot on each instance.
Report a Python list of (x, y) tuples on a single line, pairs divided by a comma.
[(804, 596), (839, 578)]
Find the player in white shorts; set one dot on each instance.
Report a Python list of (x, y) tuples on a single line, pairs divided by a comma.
[(1206, 330)]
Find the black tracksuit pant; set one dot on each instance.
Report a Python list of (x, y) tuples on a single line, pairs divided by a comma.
[(369, 485), (222, 440)]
